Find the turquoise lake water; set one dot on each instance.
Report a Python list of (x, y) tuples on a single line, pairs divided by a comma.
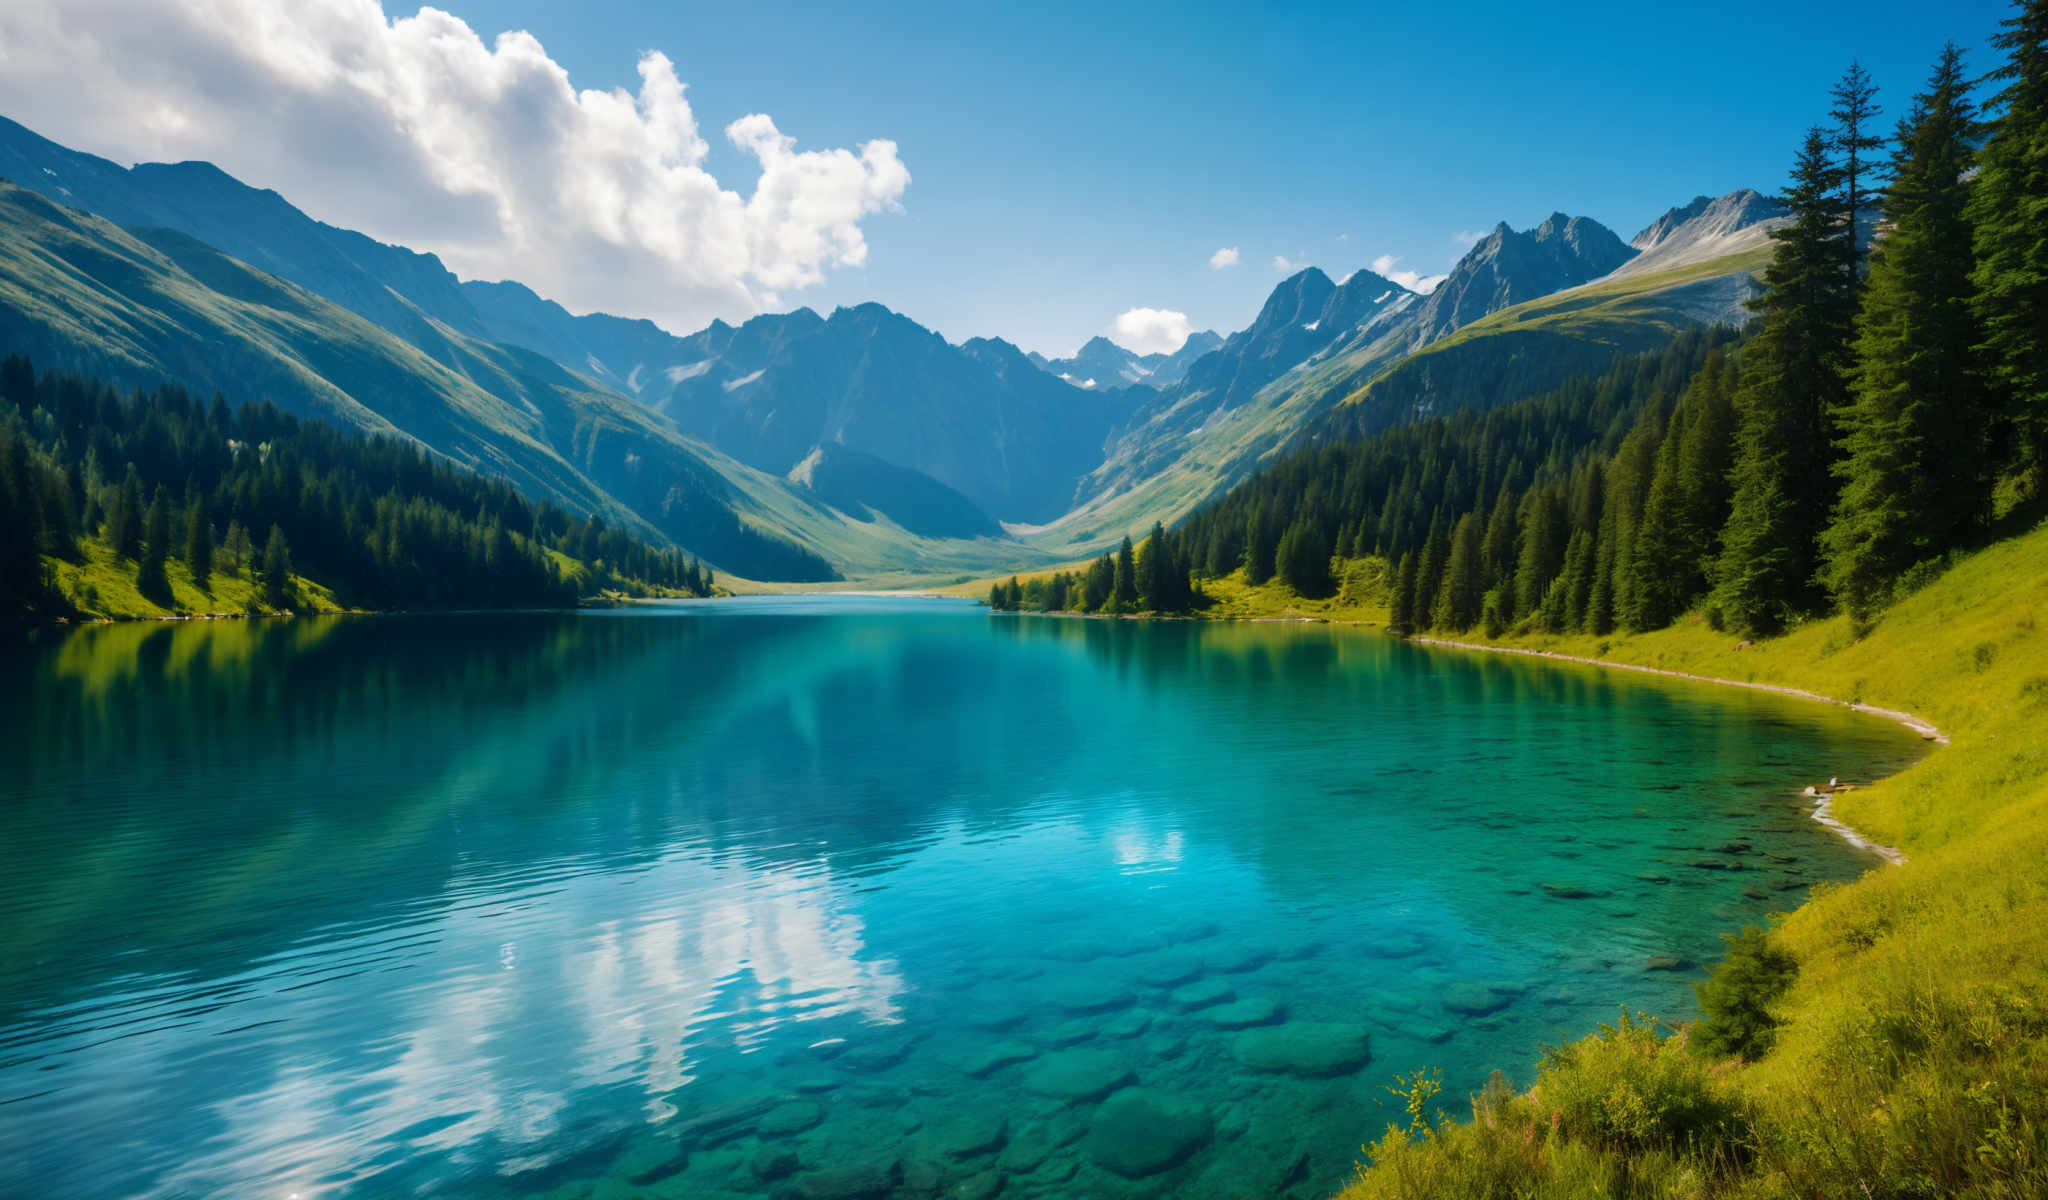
[(836, 897)]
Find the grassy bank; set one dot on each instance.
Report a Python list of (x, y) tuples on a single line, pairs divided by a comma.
[(99, 588), (1909, 1054)]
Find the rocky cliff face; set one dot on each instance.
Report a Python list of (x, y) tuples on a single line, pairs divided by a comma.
[(1707, 228), (1507, 267)]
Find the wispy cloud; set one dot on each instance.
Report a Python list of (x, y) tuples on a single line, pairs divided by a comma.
[(1388, 266), (1467, 237), (1150, 330), (1289, 266), (415, 130), (1226, 257)]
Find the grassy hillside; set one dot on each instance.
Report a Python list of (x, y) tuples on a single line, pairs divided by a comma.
[(1911, 1048), (1538, 345), (101, 588)]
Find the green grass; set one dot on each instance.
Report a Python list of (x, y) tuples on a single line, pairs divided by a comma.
[(1911, 1055), (102, 588)]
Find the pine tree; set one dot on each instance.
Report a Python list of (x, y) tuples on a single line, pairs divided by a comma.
[(1097, 584), (1260, 545), (1705, 458), (124, 516), (1152, 562), (1540, 555), (199, 546), (1429, 570), (235, 549), (1303, 558), (998, 599), (2009, 209), (1914, 468), (1459, 598), (1855, 137), (1659, 566), (1124, 595), (156, 546), (1401, 604), (275, 578), (1792, 380)]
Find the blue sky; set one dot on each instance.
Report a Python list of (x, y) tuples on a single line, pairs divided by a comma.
[(1067, 162), (1071, 161)]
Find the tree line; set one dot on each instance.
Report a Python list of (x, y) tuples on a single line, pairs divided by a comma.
[(1153, 576), (160, 476), (1889, 400)]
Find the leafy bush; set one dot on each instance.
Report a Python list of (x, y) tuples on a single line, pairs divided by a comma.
[(1629, 1087), (1736, 997)]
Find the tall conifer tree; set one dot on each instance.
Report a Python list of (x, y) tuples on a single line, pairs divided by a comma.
[(156, 545), (1856, 138), (1792, 380), (2009, 209), (1914, 473)]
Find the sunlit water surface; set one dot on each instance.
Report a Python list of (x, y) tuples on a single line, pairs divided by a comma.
[(835, 897)]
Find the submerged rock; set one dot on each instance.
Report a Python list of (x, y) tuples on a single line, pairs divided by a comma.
[(648, 1156), (785, 1119), (1126, 1025), (968, 1134), (1168, 972), (853, 1181), (1570, 891), (1077, 1075), (1668, 962), (1084, 995), (1140, 1132), (1243, 1014), (1232, 959), (1396, 945), (1201, 994), (774, 1162), (1477, 999), (1306, 1048)]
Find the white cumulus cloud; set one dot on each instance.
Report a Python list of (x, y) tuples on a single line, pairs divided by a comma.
[(1150, 330), (1226, 257), (415, 130), (1287, 265), (1386, 265)]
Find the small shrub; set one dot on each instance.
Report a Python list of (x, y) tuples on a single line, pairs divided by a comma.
[(1983, 656), (1630, 1088), (1736, 998)]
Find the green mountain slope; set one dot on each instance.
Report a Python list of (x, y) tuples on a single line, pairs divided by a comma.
[(1377, 381), (1536, 345), (77, 293)]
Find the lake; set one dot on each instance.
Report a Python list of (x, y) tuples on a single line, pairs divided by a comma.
[(837, 897)]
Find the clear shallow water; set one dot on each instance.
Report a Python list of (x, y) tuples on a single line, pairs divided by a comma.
[(835, 897)]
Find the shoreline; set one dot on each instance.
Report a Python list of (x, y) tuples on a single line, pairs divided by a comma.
[(1823, 811)]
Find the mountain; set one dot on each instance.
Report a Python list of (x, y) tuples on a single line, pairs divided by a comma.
[(1706, 229), (869, 379), (137, 307), (1103, 363), (978, 418), (1506, 267), (854, 482), (1518, 313)]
